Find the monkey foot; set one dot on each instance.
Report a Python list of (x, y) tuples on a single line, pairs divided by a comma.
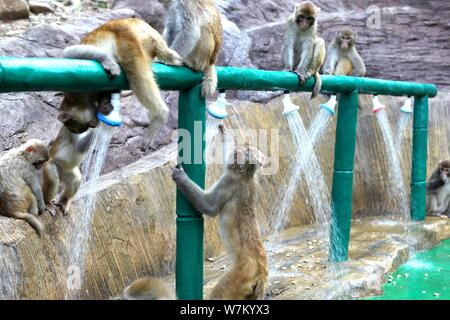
[(60, 207), (301, 77)]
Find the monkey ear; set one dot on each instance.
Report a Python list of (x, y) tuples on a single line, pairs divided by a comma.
[(30, 149), (63, 117)]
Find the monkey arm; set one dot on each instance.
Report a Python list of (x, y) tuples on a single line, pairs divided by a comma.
[(318, 57), (359, 68), (185, 41), (169, 33), (435, 182), (209, 203), (330, 61), (306, 57), (32, 180), (91, 52), (288, 47), (84, 141)]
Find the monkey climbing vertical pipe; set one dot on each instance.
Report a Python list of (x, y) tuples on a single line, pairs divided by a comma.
[(189, 256), (344, 160), (419, 159)]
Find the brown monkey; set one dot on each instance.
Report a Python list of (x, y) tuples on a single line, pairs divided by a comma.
[(194, 30), (67, 152), (232, 198), (304, 51), (20, 191), (438, 190), (343, 57), (132, 44), (148, 289)]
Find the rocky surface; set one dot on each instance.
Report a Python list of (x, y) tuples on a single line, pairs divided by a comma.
[(14, 9)]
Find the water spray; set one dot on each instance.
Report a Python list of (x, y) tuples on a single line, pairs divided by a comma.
[(377, 105), (113, 119), (407, 107), (330, 105), (218, 108), (289, 106)]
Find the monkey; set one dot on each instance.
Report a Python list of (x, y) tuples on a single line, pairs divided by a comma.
[(232, 199), (343, 57), (303, 51), (66, 152), (20, 189), (438, 190), (194, 30), (148, 289), (133, 45)]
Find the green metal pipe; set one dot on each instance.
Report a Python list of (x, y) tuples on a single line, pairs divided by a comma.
[(419, 159), (49, 74), (189, 255), (342, 191)]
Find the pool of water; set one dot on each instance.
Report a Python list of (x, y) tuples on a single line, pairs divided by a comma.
[(425, 277)]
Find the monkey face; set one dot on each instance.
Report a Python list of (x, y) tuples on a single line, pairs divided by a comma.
[(444, 168), (345, 39), (36, 153), (78, 112), (305, 14)]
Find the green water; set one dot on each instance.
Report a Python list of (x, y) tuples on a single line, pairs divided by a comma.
[(425, 277)]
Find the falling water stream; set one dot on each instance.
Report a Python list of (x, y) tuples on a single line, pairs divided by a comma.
[(403, 123), (397, 185), (212, 133), (78, 235)]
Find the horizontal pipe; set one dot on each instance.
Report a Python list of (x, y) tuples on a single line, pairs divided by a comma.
[(50, 74)]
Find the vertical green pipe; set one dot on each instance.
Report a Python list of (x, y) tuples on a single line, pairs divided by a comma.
[(419, 159), (344, 160), (189, 259)]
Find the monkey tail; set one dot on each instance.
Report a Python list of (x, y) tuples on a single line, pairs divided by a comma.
[(210, 81), (317, 86), (32, 220)]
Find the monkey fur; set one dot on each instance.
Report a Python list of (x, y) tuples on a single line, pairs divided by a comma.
[(232, 199), (438, 190), (20, 189), (303, 51), (148, 289)]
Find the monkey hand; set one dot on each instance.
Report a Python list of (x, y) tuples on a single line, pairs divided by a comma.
[(111, 68), (178, 173), (105, 107), (302, 77)]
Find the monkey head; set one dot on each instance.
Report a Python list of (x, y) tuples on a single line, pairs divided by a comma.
[(346, 39), (245, 160), (35, 152), (305, 15), (444, 169), (78, 111)]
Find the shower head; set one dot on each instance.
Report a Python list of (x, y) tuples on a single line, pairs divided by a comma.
[(377, 105), (218, 108), (330, 105), (407, 107), (113, 119), (289, 107)]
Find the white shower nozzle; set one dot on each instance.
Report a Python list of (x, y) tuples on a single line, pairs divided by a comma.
[(330, 105), (289, 106), (113, 119), (218, 109), (407, 107), (377, 105)]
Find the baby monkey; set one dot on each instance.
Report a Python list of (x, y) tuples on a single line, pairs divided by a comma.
[(232, 199), (343, 57), (438, 190), (304, 51), (20, 191)]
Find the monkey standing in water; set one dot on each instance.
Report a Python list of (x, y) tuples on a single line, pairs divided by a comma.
[(20, 191), (66, 152), (194, 30), (438, 190), (303, 51), (132, 44), (343, 57), (232, 198)]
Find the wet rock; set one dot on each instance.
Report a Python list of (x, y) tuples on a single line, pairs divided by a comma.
[(14, 9), (38, 7)]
